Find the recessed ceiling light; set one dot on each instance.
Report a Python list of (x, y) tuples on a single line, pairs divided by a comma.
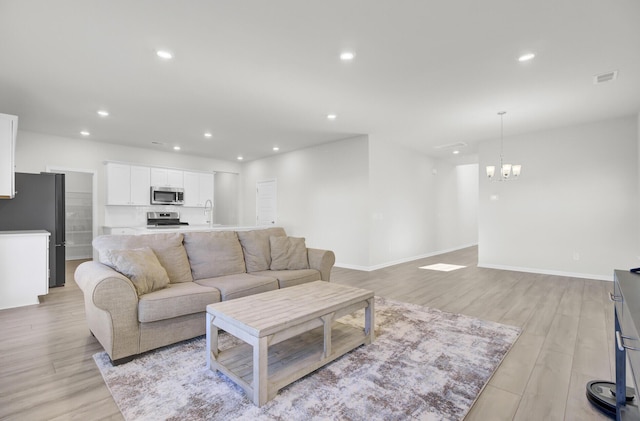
[(332, 116), (207, 134), (240, 158), (85, 133), (164, 54), (456, 152), (276, 149), (103, 113), (347, 56), (526, 57), (176, 148)]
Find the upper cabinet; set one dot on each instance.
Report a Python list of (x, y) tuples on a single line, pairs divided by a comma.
[(127, 184), (130, 184), (8, 132), (166, 177), (198, 188)]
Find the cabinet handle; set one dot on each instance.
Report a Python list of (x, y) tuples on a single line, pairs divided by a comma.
[(620, 342), (614, 298)]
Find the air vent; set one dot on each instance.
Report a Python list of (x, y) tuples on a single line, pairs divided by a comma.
[(605, 77), (457, 145)]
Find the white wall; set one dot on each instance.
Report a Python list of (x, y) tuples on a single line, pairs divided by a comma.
[(227, 194), (322, 196), (35, 151), (372, 202), (574, 210), (457, 206), (420, 206), (403, 203)]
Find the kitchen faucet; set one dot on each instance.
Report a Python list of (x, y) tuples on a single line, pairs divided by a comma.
[(208, 211)]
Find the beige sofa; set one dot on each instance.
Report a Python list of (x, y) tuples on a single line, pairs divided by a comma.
[(152, 290)]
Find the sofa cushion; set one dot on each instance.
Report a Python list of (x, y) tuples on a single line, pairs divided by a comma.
[(257, 248), (141, 266), (167, 247), (176, 300), (240, 285), (216, 253), (288, 253), (290, 278)]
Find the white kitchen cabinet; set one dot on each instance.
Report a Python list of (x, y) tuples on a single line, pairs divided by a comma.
[(8, 133), (118, 231), (24, 267), (198, 188), (140, 186), (166, 177), (127, 184)]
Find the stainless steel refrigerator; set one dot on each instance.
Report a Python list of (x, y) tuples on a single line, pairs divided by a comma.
[(39, 204)]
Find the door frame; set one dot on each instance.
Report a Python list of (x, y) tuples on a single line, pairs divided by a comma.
[(94, 196)]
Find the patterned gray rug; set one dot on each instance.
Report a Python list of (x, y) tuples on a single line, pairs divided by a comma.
[(424, 364)]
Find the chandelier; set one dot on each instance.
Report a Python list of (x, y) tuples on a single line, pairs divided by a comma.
[(506, 170)]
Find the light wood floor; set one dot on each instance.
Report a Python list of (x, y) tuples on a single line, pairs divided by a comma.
[(47, 371)]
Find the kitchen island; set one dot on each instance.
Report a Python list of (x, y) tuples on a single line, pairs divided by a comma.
[(24, 267)]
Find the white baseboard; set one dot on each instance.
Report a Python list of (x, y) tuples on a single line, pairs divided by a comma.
[(403, 260), (549, 272), (487, 266)]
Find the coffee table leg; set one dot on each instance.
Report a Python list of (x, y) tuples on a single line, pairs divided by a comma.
[(212, 340), (260, 371), (327, 321), (369, 321)]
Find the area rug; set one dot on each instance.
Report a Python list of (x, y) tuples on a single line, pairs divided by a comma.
[(425, 364)]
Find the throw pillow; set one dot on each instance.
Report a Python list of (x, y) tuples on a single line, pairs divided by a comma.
[(288, 253), (141, 266), (256, 248), (167, 247), (212, 254)]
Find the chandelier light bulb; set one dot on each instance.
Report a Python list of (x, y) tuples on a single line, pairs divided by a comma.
[(506, 170), (515, 170)]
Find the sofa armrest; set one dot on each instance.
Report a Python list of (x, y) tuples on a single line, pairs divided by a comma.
[(321, 260), (111, 306)]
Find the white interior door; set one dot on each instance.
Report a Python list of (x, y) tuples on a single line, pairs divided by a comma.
[(266, 202)]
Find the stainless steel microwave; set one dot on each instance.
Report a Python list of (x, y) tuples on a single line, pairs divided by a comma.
[(167, 195)]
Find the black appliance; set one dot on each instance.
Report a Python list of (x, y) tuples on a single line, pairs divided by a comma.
[(164, 220), (39, 205)]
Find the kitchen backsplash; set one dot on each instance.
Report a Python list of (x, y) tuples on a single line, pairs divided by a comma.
[(136, 216)]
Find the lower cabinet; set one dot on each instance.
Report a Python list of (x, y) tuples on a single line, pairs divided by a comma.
[(118, 231), (24, 267)]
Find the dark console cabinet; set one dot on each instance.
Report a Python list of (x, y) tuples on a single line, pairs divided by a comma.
[(626, 295)]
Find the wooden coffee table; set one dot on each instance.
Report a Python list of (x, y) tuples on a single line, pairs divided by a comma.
[(288, 333)]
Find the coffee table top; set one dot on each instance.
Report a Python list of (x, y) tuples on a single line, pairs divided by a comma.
[(269, 312)]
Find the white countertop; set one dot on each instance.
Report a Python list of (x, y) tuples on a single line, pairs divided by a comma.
[(24, 233)]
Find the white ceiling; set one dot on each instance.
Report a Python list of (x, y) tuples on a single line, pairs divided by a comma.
[(258, 74)]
